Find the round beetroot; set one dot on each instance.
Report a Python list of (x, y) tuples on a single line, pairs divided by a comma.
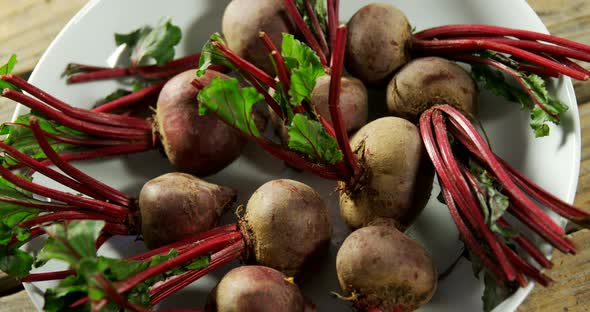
[(200, 145), (176, 205), (255, 288), (383, 269)]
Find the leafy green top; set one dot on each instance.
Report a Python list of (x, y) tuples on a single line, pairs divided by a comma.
[(494, 81), (75, 244), (156, 43), (234, 104), (5, 70)]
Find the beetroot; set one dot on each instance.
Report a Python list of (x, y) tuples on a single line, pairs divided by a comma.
[(255, 288), (380, 268), (177, 127), (201, 145), (188, 203)]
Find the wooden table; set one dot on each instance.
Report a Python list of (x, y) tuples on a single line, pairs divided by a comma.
[(28, 26)]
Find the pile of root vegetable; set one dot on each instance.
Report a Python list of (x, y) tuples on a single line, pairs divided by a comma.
[(288, 76)]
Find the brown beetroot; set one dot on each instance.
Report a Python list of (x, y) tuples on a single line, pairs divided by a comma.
[(242, 22), (398, 176), (255, 288), (354, 102), (379, 39), (176, 205), (380, 268), (428, 81), (200, 145), (287, 223)]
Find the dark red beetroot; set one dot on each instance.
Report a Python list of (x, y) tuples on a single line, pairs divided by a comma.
[(187, 202), (195, 144), (176, 205), (381, 269), (255, 288), (196, 151)]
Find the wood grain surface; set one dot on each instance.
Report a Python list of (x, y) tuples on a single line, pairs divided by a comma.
[(28, 26)]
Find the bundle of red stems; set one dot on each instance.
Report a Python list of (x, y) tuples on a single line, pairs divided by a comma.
[(346, 170), (101, 202), (85, 73), (536, 52), (461, 189), (222, 244), (108, 134)]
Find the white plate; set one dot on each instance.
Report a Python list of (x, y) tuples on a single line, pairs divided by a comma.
[(552, 162)]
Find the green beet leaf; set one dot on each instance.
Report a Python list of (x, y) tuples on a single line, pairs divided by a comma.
[(211, 56), (310, 137), (152, 43), (305, 68), (5, 70), (232, 104)]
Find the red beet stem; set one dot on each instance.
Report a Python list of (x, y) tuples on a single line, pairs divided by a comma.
[(489, 30), (547, 199), (512, 73), (296, 160), (65, 215), (165, 289), (496, 167), (450, 194), (281, 68), (478, 45), (48, 172), (74, 140), (528, 269), (80, 125), (239, 62), (464, 198), (43, 206), (317, 28), (98, 153), (264, 91), (307, 33), (88, 203), (224, 229), (538, 70), (334, 103), (93, 73), (204, 247), (47, 276), (327, 126), (528, 246), (332, 25), (569, 63), (131, 98), (99, 187), (78, 113)]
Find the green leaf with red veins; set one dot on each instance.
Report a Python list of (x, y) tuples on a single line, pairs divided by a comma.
[(310, 137), (152, 43), (71, 243), (211, 56), (305, 68), (225, 98), (5, 70)]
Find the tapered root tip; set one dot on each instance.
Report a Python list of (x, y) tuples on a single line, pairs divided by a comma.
[(261, 34)]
